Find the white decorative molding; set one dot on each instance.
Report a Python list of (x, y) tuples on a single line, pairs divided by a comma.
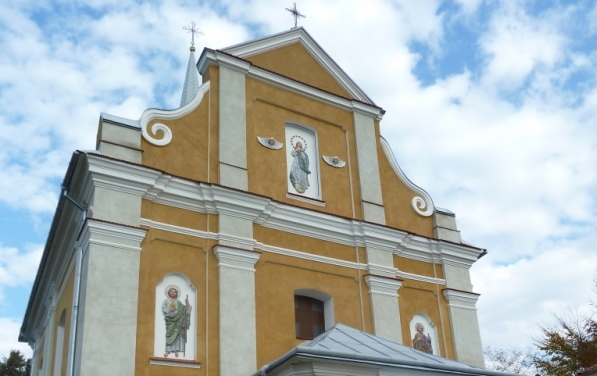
[(305, 199), (236, 258), (174, 363), (291, 252), (334, 161), (211, 57), (162, 188), (421, 278), (270, 143), (112, 235), (383, 285), (153, 113), (300, 35), (423, 204), (461, 299)]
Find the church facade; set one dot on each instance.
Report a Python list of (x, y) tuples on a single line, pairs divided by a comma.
[(215, 238)]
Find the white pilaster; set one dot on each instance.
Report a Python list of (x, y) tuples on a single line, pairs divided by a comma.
[(107, 328), (369, 179), (232, 128), (465, 326), (238, 345), (383, 292)]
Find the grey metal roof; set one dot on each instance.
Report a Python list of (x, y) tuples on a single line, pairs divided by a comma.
[(343, 343), (191, 81)]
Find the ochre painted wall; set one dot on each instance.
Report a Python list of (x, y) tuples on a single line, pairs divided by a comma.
[(295, 62), (423, 297), (276, 279), (268, 110), (304, 244), (397, 199), (65, 304), (186, 155), (164, 252)]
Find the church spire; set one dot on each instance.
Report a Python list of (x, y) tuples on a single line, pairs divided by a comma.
[(191, 81)]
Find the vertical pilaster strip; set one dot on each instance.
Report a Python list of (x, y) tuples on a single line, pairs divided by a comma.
[(383, 292), (238, 355), (48, 345), (465, 326), (369, 180), (107, 328), (232, 129)]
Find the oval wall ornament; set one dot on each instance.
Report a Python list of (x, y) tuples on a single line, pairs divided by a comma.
[(270, 143)]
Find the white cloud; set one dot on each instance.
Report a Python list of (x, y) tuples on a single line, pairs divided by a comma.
[(18, 268), (518, 297), (9, 334)]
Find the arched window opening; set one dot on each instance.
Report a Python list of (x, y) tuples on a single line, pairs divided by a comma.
[(59, 348)]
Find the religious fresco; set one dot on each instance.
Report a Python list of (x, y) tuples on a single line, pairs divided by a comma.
[(421, 341), (299, 169), (424, 334), (177, 317), (175, 336), (302, 166)]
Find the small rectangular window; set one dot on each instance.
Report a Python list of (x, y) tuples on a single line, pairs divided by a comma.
[(309, 317)]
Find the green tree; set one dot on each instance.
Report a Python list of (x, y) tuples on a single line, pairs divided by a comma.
[(15, 365), (567, 347)]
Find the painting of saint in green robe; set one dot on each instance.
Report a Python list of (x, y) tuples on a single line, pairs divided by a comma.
[(177, 317), (299, 170)]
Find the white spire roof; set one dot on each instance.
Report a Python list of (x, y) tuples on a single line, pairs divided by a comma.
[(191, 81)]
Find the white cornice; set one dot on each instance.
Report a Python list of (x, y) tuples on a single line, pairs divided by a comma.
[(290, 252), (210, 57), (461, 299), (236, 258), (300, 35), (422, 204), (162, 188), (112, 235), (382, 285)]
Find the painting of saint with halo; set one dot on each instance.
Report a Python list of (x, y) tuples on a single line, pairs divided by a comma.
[(177, 317), (421, 341), (299, 169)]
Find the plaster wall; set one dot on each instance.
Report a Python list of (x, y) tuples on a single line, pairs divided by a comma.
[(65, 303), (295, 62), (467, 339), (115, 206), (369, 178), (119, 142), (109, 323), (457, 277), (278, 277), (232, 130), (237, 311), (187, 154), (421, 297), (383, 293), (269, 109)]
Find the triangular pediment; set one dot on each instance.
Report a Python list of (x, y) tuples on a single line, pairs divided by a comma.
[(296, 55)]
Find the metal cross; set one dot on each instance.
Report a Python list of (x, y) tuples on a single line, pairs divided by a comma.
[(194, 31), (295, 13)]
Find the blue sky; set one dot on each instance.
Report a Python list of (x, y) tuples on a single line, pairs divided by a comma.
[(490, 108)]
